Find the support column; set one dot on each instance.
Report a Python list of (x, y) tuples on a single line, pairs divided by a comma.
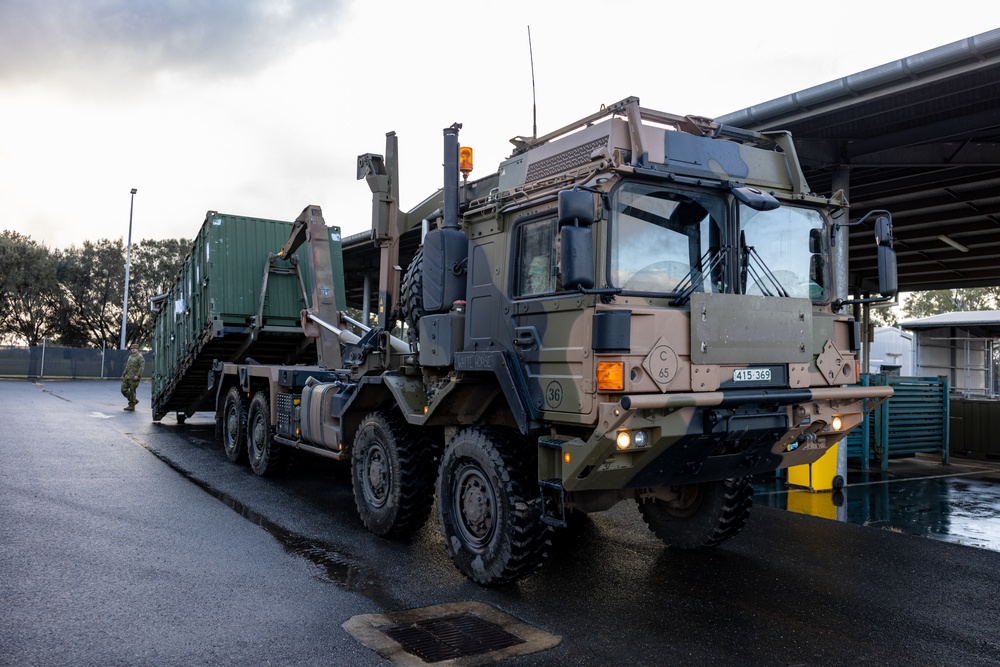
[(366, 301), (841, 180)]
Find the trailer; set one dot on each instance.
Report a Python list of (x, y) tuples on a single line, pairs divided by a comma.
[(638, 306)]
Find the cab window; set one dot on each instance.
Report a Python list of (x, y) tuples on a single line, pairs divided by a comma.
[(537, 259)]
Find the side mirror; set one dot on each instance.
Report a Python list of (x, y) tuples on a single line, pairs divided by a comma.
[(887, 278), (887, 281), (817, 276), (815, 241), (755, 198), (576, 256), (576, 207), (883, 230)]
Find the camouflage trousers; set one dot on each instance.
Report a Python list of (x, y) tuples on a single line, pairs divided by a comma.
[(128, 390)]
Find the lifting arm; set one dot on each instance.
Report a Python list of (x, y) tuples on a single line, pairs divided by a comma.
[(311, 229)]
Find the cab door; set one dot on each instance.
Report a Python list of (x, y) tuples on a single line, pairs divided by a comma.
[(551, 327)]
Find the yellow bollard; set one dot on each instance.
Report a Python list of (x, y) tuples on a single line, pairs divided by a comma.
[(817, 476), (813, 504)]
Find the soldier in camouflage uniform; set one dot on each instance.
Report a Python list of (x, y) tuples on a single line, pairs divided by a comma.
[(131, 376)]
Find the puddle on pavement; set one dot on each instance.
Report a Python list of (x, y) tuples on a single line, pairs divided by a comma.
[(962, 508), (333, 566)]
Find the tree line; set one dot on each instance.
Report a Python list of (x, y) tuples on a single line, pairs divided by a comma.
[(73, 297), (937, 302)]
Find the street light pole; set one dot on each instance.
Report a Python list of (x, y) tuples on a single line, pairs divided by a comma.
[(128, 263)]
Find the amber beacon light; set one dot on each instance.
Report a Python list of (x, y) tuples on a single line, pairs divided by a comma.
[(465, 160)]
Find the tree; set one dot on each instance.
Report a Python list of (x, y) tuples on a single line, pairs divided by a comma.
[(885, 317), (936, 302), (29, 291), (93, 278), (154, 269)]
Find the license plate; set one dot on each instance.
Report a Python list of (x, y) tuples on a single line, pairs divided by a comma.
[(752, 375)]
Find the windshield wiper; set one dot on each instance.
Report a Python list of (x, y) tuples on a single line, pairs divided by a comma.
[(695, 278), (759, 272)]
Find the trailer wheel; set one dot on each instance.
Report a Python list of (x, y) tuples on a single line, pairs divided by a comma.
[(706, 514), (393, 476), (266, 456), (490, 506), (234, 425)]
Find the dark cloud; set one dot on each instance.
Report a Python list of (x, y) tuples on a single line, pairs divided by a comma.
[(41, 39)]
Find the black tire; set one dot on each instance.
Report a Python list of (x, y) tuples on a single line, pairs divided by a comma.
[(707, 514), (411, 297), (234, 425), (490, 506), (265, 455), (181, 417), (392, 475)]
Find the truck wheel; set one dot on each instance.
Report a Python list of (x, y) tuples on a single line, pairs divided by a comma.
[(264, 454), (393, 476), (490, 507), (411, 297), (706, 514), (234, 424)]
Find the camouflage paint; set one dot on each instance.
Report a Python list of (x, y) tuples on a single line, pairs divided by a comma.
[(736, 428)]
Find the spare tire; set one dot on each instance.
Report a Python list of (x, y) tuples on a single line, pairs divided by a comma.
[(411, 295)]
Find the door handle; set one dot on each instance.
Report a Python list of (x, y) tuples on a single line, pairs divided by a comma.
[(525, 338)]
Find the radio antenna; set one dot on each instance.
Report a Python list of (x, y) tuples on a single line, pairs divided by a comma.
[(534, 103)]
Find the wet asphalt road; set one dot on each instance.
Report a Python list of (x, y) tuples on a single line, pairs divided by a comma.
[(124, 542)]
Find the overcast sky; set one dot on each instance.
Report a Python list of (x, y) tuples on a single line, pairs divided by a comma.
[(261, 107)]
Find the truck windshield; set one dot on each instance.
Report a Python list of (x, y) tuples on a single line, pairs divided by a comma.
[(783, 252), (665, 240)]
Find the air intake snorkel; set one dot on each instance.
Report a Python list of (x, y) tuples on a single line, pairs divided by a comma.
[(446, 249), (451, 176)]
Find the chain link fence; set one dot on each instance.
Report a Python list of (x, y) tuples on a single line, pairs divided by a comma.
[(49, 362)]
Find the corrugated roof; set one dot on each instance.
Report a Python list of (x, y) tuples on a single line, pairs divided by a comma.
[(979, 319), (919, 137)]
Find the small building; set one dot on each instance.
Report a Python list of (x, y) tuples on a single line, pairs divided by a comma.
[(891, 352), (962, 346)]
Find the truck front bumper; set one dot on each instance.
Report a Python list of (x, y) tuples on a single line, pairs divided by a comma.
[(695, 437)]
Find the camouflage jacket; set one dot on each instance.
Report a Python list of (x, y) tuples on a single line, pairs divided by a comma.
[(133, 367)]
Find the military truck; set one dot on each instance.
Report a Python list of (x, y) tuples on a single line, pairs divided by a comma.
[(638, 306)]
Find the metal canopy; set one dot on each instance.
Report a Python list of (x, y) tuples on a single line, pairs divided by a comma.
[(981, 323), (919, 137)]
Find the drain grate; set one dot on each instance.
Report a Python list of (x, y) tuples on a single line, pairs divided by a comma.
[(453, 636)]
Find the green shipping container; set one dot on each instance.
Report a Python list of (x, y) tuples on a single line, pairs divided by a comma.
[(233, 300)]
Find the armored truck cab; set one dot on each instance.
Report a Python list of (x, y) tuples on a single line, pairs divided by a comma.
[(664, 289)]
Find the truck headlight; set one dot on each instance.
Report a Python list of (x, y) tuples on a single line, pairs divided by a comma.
[(624, 440), (631, 439)]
